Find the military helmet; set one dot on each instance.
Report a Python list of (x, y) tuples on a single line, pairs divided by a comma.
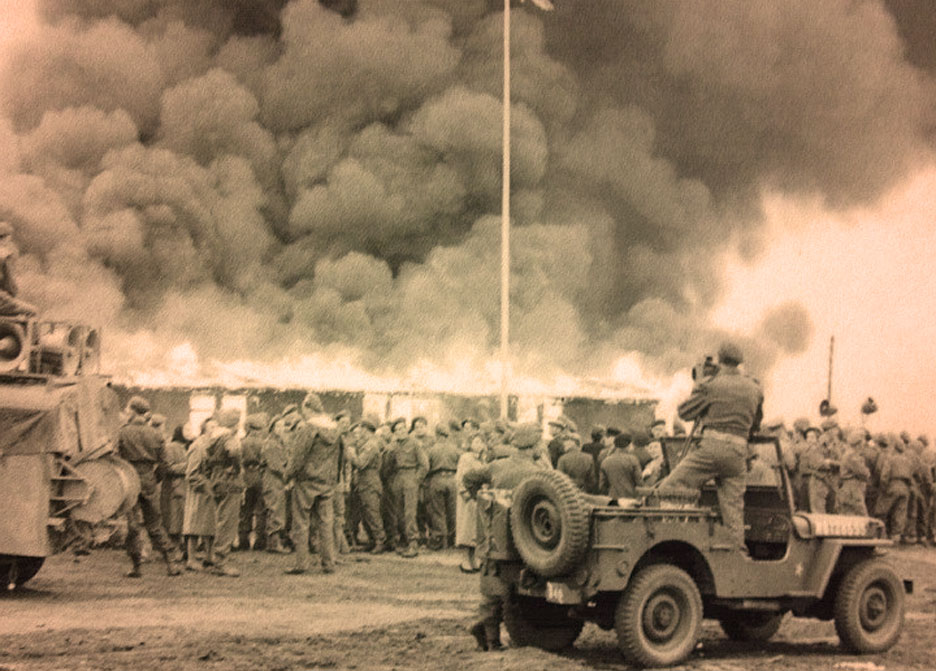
[(139, 405), (730, 353)]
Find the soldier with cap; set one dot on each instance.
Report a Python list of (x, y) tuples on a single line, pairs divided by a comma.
[(580, 467), (343, 420), (621, 474), (554, 446), (640, 440), (407, 466), (227, 487), (441, 490), (367, 488), (853, 478), (727, 407), (597, 444), (896, 477), (10, 305), (818, 464), (274, 455), (921, 492), (142, 446), (510, 467), (313, 469), (253, 512)]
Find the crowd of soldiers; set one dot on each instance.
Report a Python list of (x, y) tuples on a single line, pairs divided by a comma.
[(400, 486), (854, 472), (847, 471), (366, 485)]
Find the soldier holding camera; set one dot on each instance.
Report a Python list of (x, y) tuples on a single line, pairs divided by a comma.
[(727, 406)]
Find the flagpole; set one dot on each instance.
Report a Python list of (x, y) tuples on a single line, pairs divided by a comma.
[(505, 224)]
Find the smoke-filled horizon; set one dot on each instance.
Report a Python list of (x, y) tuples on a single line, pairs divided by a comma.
[(261, 180)]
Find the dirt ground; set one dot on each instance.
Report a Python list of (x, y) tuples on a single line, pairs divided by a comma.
[(375, 613)]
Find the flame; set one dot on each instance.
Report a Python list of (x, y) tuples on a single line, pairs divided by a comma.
[(632, 369), (459, 373)]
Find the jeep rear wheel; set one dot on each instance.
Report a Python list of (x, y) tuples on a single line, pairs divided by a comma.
[(869, 607), (549, 523), (659, 617), (751, 626), (538, 623)]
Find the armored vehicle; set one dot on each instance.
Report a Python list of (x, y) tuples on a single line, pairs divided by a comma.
[(58, 421), (653, 567)]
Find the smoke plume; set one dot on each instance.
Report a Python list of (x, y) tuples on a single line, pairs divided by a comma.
[(261, 179)]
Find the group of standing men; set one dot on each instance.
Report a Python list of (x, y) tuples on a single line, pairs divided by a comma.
[(303, 472), (855, 472)]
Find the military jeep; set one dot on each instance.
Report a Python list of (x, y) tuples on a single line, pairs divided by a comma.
[(653, 567)]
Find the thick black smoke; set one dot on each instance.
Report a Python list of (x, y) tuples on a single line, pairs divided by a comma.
[(265, 178)]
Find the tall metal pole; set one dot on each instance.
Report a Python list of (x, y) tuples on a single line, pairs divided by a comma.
[(829, 388), (505, 224)]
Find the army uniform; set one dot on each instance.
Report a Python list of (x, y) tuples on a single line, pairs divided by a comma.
[(367, 487), (227, 486), (313, 468), (594, 448), (252, 512), (921, 493), (509, 468), (580, 468), (142, 446), (891, 506), (640, 441), (853, 481), (274, 455), (620, 474), (441, 492), (817, 465), (728, 406), (341, 493), (406, 466)]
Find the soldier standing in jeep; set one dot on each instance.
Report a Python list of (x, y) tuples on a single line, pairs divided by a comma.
[(727, 407)]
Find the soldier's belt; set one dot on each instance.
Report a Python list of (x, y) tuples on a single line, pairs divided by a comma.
[(722, 435)]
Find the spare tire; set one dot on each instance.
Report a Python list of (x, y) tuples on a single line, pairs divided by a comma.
[(549, 523)]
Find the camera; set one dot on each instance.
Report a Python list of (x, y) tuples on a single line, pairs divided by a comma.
[(707, 368)]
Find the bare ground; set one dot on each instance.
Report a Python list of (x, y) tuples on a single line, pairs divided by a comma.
[(374, 613)]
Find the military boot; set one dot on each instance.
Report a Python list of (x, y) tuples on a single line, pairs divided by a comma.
[(410, 551), (173, 565), (378, 548), (135, 572), (224, 569), (477, 630), (275, 546), (492, 634)]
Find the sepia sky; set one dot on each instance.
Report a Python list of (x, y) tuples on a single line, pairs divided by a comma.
[(273, 189)]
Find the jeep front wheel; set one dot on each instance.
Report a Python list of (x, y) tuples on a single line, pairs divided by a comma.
[(540, 624), (869, 607), (549, 523), (751, 626), (659, 617)]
